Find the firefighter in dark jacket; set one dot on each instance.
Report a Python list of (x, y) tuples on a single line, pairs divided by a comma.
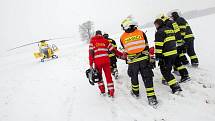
[(135, 44), (188, 37), (178, 66), (166, 53), (112, 56)]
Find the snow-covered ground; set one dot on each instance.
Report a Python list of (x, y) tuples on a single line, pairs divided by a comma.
[(58, 90)]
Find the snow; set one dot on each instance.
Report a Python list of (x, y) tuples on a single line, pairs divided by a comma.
[(58, 90)]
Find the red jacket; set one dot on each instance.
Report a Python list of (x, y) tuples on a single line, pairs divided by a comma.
[(98, 50)]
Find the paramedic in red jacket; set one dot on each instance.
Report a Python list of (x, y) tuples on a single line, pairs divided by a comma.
[(98, 55)]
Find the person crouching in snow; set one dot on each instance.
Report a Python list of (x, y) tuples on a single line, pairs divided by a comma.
[(98, 55)]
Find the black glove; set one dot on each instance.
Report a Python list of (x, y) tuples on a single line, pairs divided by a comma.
[(152, 63), (92, 83), (185, 46), (180, 49), (161, 62)]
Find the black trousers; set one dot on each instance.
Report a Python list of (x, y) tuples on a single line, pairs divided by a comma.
[(180, 67), (166, 66), (113, 61), (147, 77), (190, 52)]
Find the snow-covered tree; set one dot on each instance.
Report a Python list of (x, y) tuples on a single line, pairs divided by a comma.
[(86, 30)]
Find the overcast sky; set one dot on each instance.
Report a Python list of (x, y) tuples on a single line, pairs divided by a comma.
[(23, 21)]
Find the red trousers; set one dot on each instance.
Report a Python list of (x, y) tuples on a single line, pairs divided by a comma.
[(110, 85)]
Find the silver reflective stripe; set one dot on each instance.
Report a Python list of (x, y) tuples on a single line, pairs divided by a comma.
[(101, 49), (135, 42), (110, 84), (101, 55), (100, 84), (110, 88), (136, 47), (109, 45), (111, 48)]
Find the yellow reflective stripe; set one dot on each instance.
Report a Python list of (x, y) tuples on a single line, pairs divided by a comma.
[(130, 55), (183, 33), (158, 51), (135, 85), (171, 82), (182, 54), (135, 89), (151, 94), (169, 31), (182, 27), (169, 39), (193, 57), (114, 45), (176, 27), (111, 55), (170, 53), (138, 59), (180, 68), (149, 89), (188, 36), (159, 43), (180, 41)]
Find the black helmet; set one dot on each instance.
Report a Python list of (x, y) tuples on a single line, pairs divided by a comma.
[(174, 15), (106, 36), (159, 23), (98, 32), (93, 76), (43, 41)]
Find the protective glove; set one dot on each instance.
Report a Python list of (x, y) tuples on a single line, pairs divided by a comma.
[(161, 62), (185, 45), (152, 62), (124, 56)]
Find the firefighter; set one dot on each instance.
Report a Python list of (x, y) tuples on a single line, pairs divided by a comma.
[(135, 44), (98, 55), (112, 56), (166, 53), (178, 66), (188, 37)]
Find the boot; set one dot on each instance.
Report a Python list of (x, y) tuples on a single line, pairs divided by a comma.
[(111, 93), (103, 94), (115, 73), (152, 100), (135, 95), (176, 88), (195, 64), (185, 79), (164, 82)]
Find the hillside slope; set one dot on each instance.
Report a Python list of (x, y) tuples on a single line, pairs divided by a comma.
[(57, 90)]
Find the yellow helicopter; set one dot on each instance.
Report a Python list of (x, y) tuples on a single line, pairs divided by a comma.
[(46, 51)]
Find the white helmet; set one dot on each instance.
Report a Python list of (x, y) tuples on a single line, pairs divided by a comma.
[(126, 23)]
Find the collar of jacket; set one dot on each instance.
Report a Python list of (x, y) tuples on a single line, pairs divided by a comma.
[(130, 30), (98, 37), (161, 26)]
